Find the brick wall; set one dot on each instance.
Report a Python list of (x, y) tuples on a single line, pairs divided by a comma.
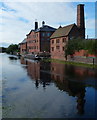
[(57, 47), (23, 48), (33, 42), (45, 41), (84, 53), (82, 59)]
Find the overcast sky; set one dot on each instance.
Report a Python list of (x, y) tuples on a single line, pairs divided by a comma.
[(17, 18)]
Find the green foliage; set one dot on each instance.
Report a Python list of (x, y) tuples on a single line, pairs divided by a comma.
[(73, 45), (70, 63), (2, 49), (12, 48), (79, 44), (90, 46)]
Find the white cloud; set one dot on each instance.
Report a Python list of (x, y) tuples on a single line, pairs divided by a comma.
[(15, 30)]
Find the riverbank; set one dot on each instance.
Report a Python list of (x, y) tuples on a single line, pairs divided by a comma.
[(89, 65), (70, 63)]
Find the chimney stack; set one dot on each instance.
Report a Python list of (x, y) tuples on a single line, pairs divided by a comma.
[(43, 23), (80, 19), (36, 24), (80, 16)]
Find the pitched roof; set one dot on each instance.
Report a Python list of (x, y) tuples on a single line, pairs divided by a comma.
[(62, 31), (45, 28), (30, 32), (24, 41)]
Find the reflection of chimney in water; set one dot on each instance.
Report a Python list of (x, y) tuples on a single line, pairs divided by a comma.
[(36, 83), (44, 85), (81, 102)]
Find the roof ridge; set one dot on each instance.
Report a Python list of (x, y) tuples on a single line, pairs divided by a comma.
[(69, 25), (64, 31)]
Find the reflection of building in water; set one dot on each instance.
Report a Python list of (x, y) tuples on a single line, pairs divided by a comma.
[(38, 71), (23, 61), (70, 79), (66, 78), (34, 71), (45, 76)]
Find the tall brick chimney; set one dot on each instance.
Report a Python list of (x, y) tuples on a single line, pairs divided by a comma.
[(36, 25), (80, 20)]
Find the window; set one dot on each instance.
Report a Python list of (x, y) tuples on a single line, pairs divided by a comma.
[(63, 48), (57, 40), (34, 41), (52, 41), (57, 47), (52, 68), (48, 34), (42, 39), (58, 77), (29, 47), (28, 36), (52, 76), (43, 34), (52, 48), (63, 40), (34, 36)]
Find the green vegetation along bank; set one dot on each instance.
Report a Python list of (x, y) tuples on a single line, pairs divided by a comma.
[(70, 63)]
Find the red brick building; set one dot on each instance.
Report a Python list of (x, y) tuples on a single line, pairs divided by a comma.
[(23, 47), (38, 40), (61, 36)]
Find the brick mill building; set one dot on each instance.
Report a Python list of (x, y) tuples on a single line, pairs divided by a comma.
[(23, 47), (38, 40), (61, 36)]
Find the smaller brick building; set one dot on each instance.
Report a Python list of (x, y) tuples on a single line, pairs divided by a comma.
[(60, 38), (23, 47)]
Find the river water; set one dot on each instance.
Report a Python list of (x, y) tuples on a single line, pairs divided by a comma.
[(34, 89)]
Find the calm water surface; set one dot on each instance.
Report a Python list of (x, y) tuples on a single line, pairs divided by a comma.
[(33, 89)]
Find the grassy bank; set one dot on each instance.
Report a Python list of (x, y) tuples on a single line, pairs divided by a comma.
[(70, 63)]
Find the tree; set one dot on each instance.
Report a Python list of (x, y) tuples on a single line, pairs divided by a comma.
[(91, 46), (73, 45), (12, 48), (80, 44)]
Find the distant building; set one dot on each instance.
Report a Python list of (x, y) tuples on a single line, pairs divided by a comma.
[(38, 40), (23, 47), (61, 36)]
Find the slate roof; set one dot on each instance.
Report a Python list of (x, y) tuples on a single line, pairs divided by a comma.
[(62, 31), (30, 32), (45, 28), (24, 41)]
